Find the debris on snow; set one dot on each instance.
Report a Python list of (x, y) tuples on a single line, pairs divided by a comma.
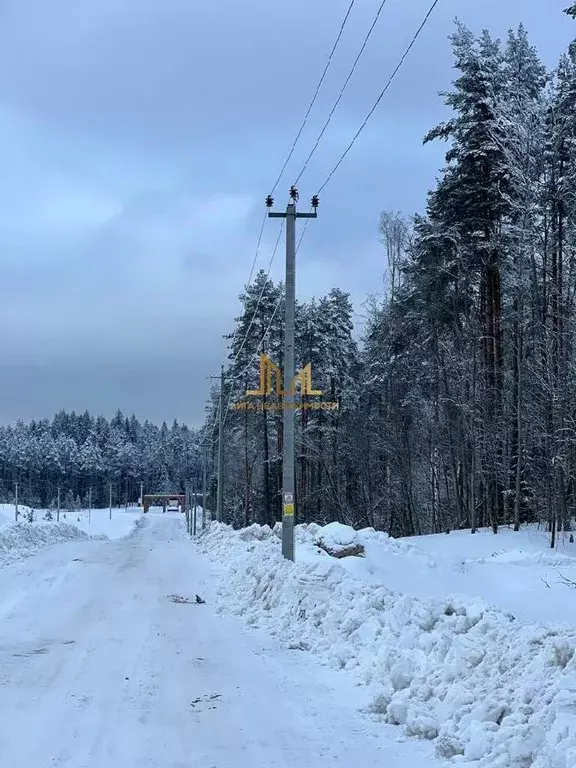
[(339, 541), (179, 599), (186, 600)]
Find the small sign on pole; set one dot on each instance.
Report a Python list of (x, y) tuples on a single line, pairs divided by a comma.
[(289, 504)]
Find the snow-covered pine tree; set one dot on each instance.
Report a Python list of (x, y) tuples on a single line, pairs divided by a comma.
[(474, 198), (522, 109), (255, 483)]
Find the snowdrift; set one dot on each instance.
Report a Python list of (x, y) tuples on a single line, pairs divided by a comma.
[(123, 522), (485, 687), (7, 513), (96, 521), (21, 540)]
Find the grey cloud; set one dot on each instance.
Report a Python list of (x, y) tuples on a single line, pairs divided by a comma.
[(154, 388), (187, 72), (137, 143)]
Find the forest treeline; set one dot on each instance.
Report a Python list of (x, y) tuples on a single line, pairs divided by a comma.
[(84, 458)]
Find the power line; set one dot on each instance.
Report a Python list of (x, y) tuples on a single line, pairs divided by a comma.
[(213, 440), (239, 375), (317, 91), (290, 153), (257, 246), (255, 259), (342, 157), (260, 296), (380, 97), (342, 90), (216, 415), (304, 228), (293, 147), (265, 334)]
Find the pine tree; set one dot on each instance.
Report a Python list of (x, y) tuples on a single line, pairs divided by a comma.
[(258, 331), (70, 502), (474, 198)]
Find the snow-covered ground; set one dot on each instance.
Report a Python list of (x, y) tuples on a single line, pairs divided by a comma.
[(7, 514), (516, 571), (455, 637), (96, 521), (105, 662), (453, 647), (99, 521), (21, 540), (24, 539)]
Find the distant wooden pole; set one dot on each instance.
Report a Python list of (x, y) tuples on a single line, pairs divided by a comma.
[(194, 513)]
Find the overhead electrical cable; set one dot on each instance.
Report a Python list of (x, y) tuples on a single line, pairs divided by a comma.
[(255, 259), (299, 133), (315, 96), (260, 296), (381, 96), (293, 147), (264, 335), (342, 91)]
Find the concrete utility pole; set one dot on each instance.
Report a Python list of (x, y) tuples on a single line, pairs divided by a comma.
[(288, 480), (220, 492), (204, 470)]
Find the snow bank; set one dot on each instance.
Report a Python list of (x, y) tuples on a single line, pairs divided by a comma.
[(486, 688), (123, 522), (97, 521), (515, 571), (7, 513), (21, 540)]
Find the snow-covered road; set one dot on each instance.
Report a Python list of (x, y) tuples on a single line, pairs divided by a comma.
[(98, 667)]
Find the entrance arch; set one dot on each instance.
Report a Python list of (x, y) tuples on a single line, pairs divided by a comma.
[(164, 499)]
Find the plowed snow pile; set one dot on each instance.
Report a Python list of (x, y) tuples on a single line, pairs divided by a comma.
[(21, 540), (484, 686), (7, 513)]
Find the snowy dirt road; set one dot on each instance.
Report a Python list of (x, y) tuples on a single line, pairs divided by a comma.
[(100, 668)]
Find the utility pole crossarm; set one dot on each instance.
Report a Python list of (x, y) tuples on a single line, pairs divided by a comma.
[(278, 215)]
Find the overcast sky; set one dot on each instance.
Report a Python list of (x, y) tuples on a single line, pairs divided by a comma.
[(138, 140)]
